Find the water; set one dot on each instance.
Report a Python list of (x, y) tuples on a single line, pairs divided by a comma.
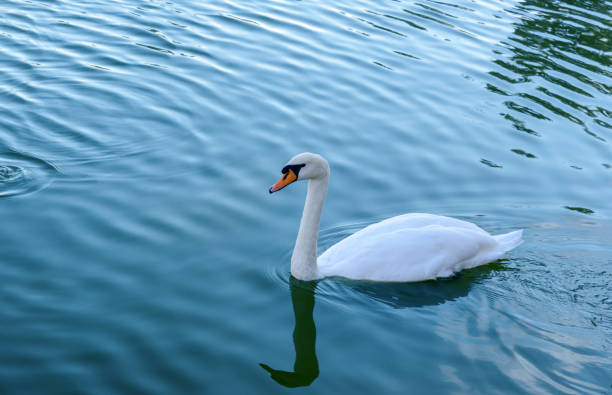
[(142, 252)]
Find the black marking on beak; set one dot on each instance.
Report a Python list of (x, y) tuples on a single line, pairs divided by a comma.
[(295, 168)]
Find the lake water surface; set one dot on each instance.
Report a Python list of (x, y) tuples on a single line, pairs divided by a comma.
[(142, 253)]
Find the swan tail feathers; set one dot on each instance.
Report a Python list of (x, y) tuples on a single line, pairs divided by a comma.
[(510, 240)]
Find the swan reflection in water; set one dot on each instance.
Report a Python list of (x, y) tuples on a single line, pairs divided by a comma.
[(306, 366), (395, 295)]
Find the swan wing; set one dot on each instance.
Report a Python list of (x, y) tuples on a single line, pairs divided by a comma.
[(416, 220), (405, 221)]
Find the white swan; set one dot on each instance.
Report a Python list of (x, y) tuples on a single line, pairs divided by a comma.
[(409, 247)]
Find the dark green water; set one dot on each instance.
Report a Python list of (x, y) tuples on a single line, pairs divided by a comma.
[(142, 253)]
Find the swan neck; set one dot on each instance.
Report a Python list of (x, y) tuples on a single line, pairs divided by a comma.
[(304, 258)]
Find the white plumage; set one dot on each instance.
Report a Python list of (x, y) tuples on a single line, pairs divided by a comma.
[(409, 247), (414, 247)]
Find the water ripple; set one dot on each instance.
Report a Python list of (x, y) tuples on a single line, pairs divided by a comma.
[(22, 173)]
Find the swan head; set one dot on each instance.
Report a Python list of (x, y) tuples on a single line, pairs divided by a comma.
[(304, 166)]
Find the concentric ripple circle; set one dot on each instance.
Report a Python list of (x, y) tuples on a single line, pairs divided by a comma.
[(22, 174)]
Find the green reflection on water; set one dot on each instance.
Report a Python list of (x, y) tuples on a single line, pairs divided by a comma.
[(557, 56)]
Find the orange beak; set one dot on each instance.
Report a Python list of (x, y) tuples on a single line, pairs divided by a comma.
[(285, 180)]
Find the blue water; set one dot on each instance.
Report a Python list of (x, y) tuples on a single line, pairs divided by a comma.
[(142, 253)]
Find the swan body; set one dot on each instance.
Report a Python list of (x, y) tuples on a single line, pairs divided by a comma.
[(409, 247), (414, 247)]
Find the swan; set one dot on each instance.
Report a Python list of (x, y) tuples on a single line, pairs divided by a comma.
[(405, 248)]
